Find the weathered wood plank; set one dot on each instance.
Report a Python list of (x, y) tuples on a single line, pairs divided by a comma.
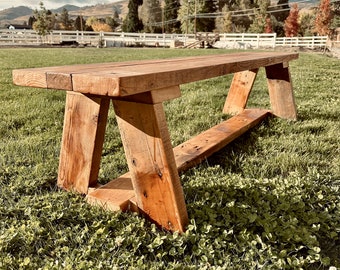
[(281, 91), (83, 136), (29, 77), (115, 195), (197, 149), (239, 91), (129, 78), (119, 193), (151, 162)]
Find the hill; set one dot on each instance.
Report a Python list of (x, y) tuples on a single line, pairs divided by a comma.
[(20, 14), (68, 7), (15, 12)]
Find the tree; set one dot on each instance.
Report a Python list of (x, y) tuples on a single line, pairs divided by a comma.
[(98, 25), (31, 21), (187, 15), (132, 22), (80, 24), (206, 24), (307, 24), (281, 10), (291, 25), (151, 14), (111, 22), (52, 20), (242, 23), (43, 24), (224, 24), (269, 26), (65, 22), (171, 23), (260, 17), (323, 18)]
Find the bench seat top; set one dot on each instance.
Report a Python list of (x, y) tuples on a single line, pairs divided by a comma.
[(119, 79)]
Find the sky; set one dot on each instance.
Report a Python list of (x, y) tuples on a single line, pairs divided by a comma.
[(49, 4)]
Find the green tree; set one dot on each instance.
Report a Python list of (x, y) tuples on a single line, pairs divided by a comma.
[(44, 21), (132, 22), (260, 17), (281, 10), (64, 20), (186, 15), (80, 24), (207, 22), (31, 21), (171, 23), (244, 22), (224, 24), (111, 22), (151, 14), (307, 24)]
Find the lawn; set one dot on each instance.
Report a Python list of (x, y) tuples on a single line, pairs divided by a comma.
[(269, 200)]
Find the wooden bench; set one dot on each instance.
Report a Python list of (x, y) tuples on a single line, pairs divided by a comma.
[(137, 90)]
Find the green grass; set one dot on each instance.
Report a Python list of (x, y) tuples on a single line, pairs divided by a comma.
[(269, 200)]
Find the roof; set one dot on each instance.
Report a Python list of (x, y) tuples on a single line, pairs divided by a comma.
[(18, 26)]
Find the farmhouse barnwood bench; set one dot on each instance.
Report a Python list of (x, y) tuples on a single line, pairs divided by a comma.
[(137, 90)]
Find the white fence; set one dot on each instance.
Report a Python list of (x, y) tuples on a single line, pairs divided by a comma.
[(117, 39), (307, 42), (246, 41)]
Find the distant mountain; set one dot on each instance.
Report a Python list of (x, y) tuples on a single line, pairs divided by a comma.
[(15, 12), (67, 7), (20, 14)]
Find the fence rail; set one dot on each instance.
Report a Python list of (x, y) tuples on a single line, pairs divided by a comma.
[(117, 39), (308, 42)]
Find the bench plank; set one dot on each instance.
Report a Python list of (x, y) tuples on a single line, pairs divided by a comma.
[(128, 78), (119, 194), (197, 149)]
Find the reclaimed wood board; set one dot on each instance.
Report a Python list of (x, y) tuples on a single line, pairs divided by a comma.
[(128, 78)]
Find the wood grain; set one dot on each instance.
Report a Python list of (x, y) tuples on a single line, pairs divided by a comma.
[(281, 91), (239, 91), (129, 78), (119, 195), (151, 162), (83, 136)]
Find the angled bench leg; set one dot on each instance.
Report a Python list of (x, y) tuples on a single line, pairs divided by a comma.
[(239, 91), (281, 91), (151, 161), (83, 136)]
